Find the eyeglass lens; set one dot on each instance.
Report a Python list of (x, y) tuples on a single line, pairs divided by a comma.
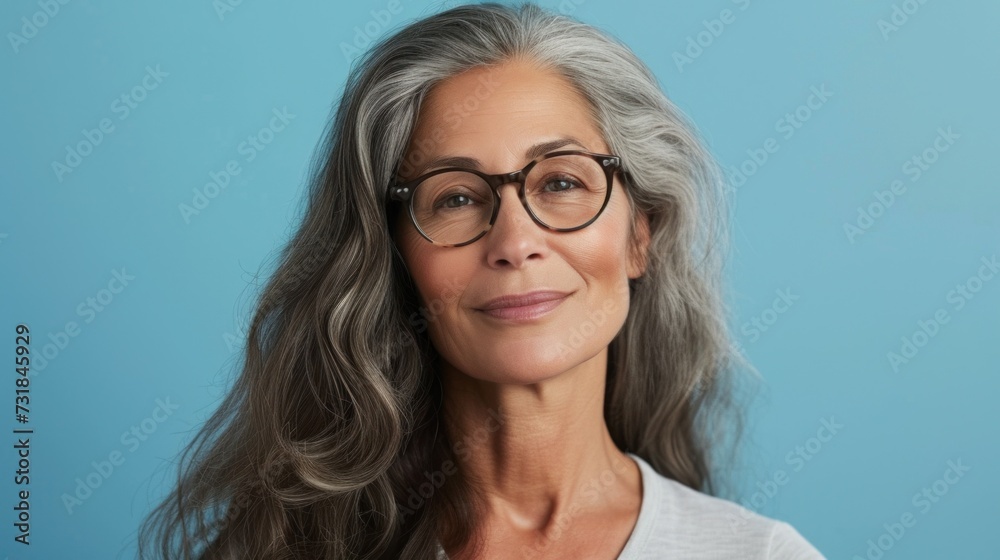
[(563, 192)]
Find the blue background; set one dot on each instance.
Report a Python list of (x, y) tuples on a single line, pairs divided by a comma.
[(173, 333)]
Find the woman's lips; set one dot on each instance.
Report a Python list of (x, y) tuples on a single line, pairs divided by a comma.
[(526, 312)]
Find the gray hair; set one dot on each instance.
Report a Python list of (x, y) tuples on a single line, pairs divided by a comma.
[(334, 417)]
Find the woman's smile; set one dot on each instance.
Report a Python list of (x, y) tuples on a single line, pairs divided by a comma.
[(526, 307)]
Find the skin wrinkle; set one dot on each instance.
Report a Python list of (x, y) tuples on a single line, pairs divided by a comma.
[(554, 442)]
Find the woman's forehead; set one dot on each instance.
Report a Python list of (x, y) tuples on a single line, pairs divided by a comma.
[(509, 107), (504, 89)]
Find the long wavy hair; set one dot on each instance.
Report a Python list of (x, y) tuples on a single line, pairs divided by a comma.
[(335, 416)]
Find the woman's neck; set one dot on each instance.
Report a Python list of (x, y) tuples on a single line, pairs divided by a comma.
[(540, 453)]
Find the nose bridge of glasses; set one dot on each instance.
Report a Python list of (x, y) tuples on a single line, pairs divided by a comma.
[(516, 180), (497, 181)]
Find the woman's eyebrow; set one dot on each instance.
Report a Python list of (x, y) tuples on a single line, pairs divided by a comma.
[(531, 153)]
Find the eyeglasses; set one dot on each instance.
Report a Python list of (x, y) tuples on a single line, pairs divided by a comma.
[(562, 191)]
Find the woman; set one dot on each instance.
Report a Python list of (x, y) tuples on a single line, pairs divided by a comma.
[(513, 345)]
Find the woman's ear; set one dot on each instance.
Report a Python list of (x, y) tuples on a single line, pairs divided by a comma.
[(639, 250)]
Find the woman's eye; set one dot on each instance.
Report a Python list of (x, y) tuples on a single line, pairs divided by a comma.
[(454, 201), (557, 185)]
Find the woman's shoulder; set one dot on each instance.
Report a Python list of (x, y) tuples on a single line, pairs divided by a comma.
[(691, 524)]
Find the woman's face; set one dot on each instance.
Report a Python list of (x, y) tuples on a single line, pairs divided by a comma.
[(496, 115)]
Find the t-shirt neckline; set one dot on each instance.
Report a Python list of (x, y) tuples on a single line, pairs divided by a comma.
[(651, 498), (644, 524)]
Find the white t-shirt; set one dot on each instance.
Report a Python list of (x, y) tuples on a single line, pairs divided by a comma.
[(678, 522)]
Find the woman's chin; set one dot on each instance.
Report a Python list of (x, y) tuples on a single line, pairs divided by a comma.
[(528, 368)]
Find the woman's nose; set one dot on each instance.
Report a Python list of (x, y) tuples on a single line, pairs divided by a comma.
[(514, 237)]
